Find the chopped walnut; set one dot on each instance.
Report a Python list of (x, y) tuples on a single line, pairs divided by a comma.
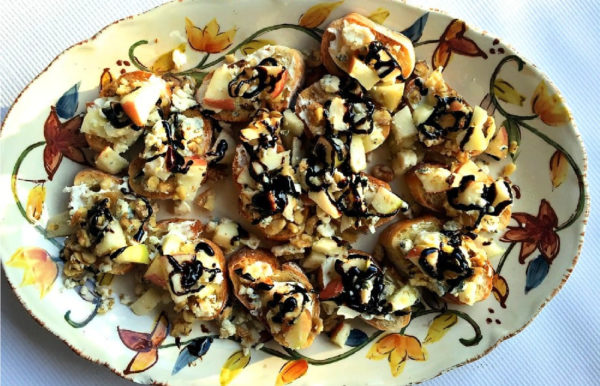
[(383, 172)]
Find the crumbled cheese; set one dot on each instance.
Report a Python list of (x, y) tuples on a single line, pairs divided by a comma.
[(330, 83), (179, 58), (183, 98), (191, 127), (158, 168), (356, 36)]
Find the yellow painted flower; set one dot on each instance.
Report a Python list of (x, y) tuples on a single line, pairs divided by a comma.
[(558, 168), (233, 366), (35, 202), (38, 267), (291, 371), (500, 289), (317, 14), (208, 39), (397, 349), (379, 15), (439, 326), (549, 107)]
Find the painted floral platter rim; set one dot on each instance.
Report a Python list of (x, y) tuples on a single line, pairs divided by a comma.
[(393, 3)]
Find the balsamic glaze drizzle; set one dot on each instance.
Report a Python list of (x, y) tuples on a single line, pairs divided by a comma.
[(98, 219), (384, 67), (252, 81), (355, 279), (436, 126), (488, 195), (455, 262), (285, 302), (115, 114), (189, 273)]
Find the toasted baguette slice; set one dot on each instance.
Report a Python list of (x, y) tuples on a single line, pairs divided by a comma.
[(436, 196), (181, 259), (397, 241), (263, 285), (386, 316), (280, 227), (239, 109), (310, 106), (396, 44), (172, 188)]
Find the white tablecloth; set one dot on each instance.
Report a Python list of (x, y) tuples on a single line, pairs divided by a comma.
[(560, 347)]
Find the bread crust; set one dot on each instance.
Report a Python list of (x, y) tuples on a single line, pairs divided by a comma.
[(286, 272), (397, 44)]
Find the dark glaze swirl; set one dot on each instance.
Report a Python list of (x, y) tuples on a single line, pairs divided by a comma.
[(488, 195), (443, 121), (97, 219), (355, 279), (286, 302), (175, 141), (115, 114), (376, 58), (139, 234), (253, 80), (189, 273), (451, 267), (272, 198)]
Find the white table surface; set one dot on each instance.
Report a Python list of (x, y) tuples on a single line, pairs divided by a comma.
[(560, 347)]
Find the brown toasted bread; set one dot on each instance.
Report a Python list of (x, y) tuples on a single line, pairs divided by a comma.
[(302, 330)]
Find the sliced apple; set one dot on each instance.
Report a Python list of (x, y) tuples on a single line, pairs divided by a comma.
[(147, 302), (217, 92), (110, 161), (193, 178), (340, 333), (327, 246), (388, 95), (364, 74), (113, 239), (498, 147), (374, 140), (137, 253), (358, 159), (403, 130), (434, 179), (279, 86), (421, 113), (337, 110), (139, 103), (386, 202), (156, 272), (322, 200), (479, 138)]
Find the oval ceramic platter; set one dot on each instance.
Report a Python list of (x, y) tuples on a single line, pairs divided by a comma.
[(39, 144)]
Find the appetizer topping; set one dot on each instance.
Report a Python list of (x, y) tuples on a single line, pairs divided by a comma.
[(269, 191), (453, 263), (444, 120), (230, 236), (354, 280), (254, 80)]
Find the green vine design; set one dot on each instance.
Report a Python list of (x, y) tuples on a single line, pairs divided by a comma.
[(520, 122), (197, 72)]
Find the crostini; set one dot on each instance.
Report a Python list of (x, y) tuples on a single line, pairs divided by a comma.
[(115, 120), (190, 267), (378, 58), (278, 294), (464, 192), (450, 263), (445, 122), (269, 194), (267, 78), (173, 163), (353, 285), (110, 225)]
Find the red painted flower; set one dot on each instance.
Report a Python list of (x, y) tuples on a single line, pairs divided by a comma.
[(62, 138), (454, 41), (146, 345), (535, 233)]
